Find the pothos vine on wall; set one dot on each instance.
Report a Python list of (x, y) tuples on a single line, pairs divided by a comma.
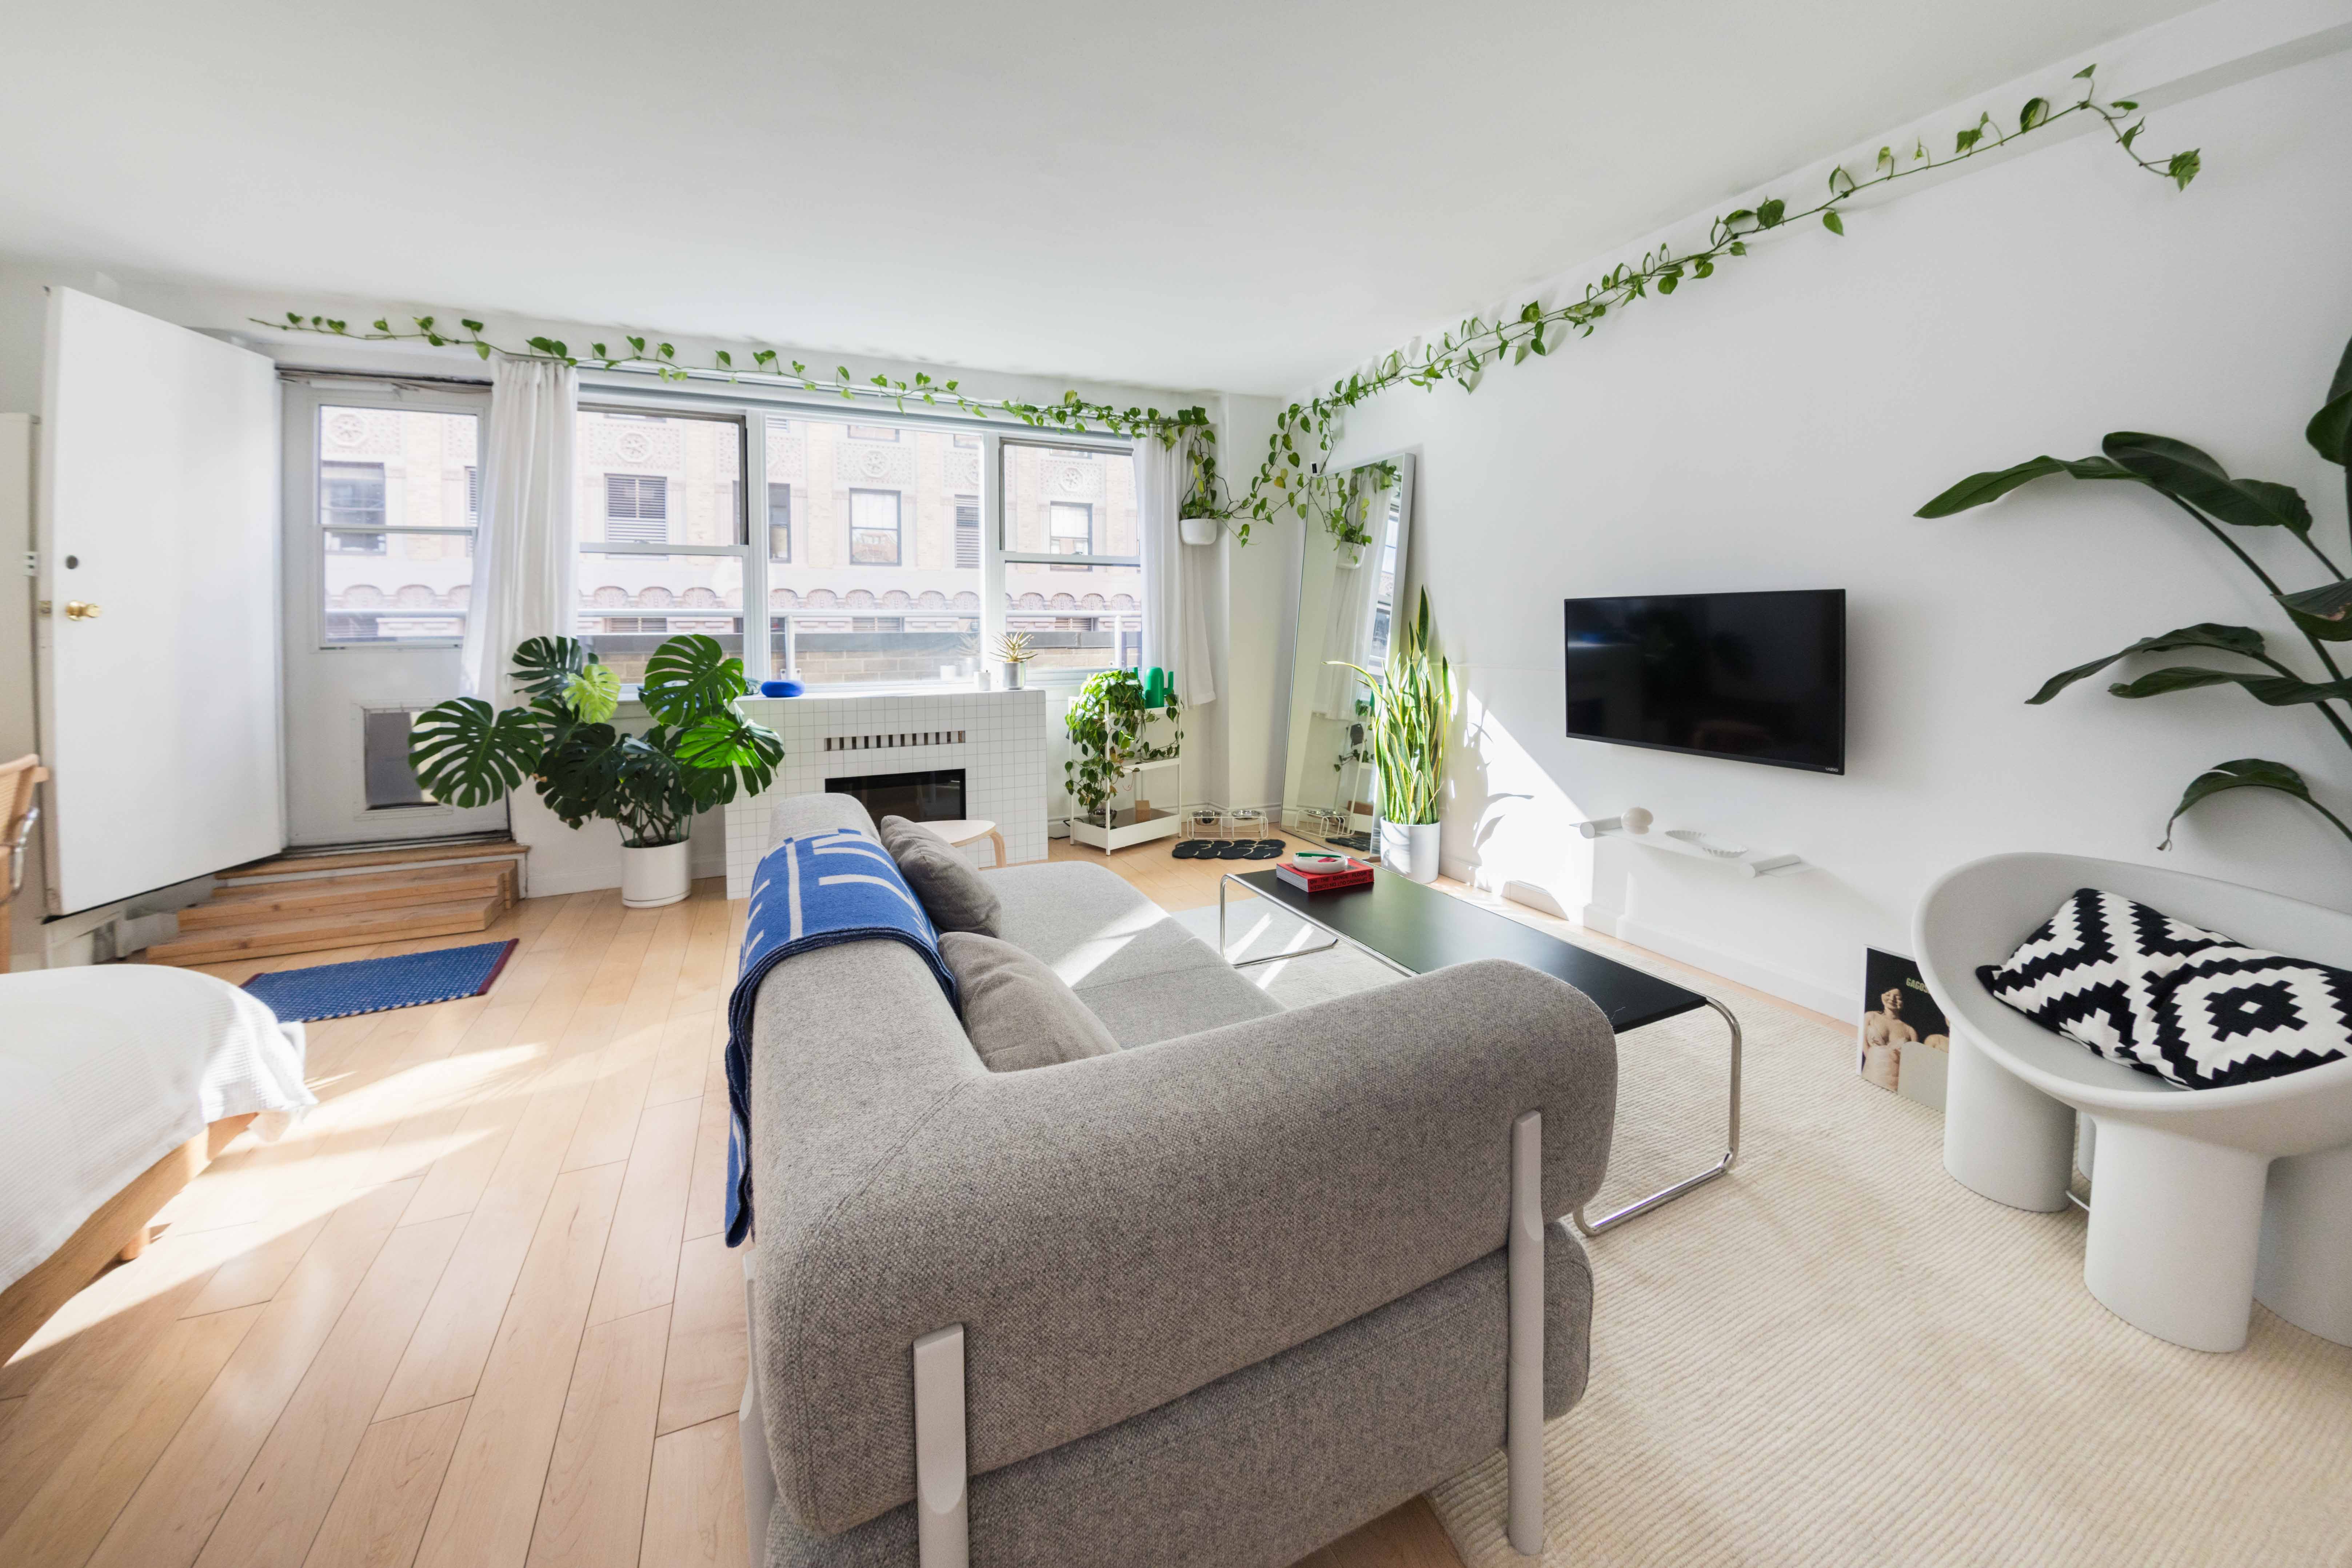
[(1296, 472)]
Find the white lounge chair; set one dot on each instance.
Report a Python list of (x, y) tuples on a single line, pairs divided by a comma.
[(2202, 1201)]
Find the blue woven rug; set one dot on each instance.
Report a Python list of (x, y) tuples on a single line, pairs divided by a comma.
[(380, 985)]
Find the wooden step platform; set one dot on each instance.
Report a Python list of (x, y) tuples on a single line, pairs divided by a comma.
[(313, 932), (389, 855), (245, 903)]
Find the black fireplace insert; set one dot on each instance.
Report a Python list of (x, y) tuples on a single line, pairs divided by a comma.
[(933, 796)]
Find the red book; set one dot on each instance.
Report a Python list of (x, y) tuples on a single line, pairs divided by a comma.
[(1353, 874)]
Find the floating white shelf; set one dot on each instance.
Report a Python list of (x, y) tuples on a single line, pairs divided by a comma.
[(1691, 843)]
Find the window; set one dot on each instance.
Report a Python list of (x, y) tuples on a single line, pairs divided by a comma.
[(397, 504), (874, 528), (967, 536), (637, 508), (1071, 527), (780, 521), (1073, 558), (874, 577), (664, 549)]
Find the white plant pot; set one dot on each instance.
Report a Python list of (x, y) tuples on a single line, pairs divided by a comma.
[(1410, 849), (652, 878), (1197, 529)]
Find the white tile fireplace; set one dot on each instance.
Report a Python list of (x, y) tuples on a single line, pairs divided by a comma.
[(997, 738)]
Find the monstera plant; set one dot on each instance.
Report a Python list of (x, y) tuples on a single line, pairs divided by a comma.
[(697, 753), (2218, 503)]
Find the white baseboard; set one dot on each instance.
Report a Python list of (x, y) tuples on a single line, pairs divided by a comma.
[(1768, 978)]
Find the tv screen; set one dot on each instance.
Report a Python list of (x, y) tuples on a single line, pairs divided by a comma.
[(1760, 678)]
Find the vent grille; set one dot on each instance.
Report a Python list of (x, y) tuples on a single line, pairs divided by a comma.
[(894, 741)]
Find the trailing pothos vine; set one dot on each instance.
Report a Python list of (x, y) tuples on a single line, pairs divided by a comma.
[(1297, 473)]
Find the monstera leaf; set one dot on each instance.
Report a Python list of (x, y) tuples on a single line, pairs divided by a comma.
[(543, 667), (690, 678), (2181, 471), (2205, 634), (595, 693), (2246, 773), (723, 754), (466, 756), (578, 774)]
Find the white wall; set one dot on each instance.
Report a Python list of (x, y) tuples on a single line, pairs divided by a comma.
[(1777, 426)]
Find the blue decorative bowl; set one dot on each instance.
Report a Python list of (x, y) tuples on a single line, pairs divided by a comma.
[(781, 688)]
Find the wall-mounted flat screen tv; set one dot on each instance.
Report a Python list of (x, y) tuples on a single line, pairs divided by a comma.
[(1756, 677)]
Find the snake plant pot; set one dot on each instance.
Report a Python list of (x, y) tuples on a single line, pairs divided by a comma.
[(1410, 849), (655, 876), (1013, 675), (1197, 529)]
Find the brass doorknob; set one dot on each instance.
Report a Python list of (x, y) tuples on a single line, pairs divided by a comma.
[(80, 610)]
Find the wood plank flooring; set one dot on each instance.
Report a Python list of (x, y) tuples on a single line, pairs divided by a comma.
[(473, 1310)]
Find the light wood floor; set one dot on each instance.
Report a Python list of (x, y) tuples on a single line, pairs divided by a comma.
[(473, 1309)]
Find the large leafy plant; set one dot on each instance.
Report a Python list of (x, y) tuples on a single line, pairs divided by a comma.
[(1106, 729), (1412, 709), (699, 751), (2203, 489)]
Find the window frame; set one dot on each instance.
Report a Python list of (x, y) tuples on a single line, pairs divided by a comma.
[(898, 525), (316, 397), (994, 456), (624, 403), (620, 392)]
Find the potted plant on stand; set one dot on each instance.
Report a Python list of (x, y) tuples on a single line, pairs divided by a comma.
[(697, 753), (1412, 708), (1108, 726)]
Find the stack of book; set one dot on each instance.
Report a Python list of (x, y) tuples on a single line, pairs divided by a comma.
[(1322, 875)]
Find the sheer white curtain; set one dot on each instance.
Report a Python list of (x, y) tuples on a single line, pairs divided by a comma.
[(525, 552), (1176, 575), (1347, 627)]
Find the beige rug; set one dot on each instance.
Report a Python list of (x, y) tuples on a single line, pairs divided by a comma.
[(1838, 1355)]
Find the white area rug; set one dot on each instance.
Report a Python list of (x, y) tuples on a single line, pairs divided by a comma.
[(1837, 1355)]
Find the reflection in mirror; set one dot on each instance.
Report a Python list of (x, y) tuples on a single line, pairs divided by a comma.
[(1347, 590)]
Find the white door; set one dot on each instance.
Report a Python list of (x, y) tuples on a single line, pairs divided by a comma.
[(383, 490), (156, 543)]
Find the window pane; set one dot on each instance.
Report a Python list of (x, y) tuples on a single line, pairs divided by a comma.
[(630, 604), (874, 541), (383, 469), (1069, 502), (659, 480), (1077, 617)]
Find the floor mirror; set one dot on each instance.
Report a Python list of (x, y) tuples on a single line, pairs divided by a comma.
[(1348, 582)]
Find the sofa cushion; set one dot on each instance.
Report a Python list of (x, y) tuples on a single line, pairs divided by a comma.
[(1018, 1013), (952, 892)]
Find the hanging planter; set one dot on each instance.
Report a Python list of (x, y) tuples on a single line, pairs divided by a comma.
[(1197, 529)]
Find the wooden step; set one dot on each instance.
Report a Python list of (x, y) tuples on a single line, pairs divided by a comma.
[(314, 933), (243, 904), (390, 854)]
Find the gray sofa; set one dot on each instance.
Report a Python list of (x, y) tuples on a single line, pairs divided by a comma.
[(1224, 1295)]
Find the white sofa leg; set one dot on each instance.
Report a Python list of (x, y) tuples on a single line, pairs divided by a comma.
[(2002, 1137), (751, 1436), (2175, 1225), (1523, 1406), (943, 1530), (2304, 1273)]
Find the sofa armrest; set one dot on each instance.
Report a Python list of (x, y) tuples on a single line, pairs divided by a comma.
[(1116, 1232)]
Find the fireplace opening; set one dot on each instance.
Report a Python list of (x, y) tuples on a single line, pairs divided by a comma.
[(936, 796)]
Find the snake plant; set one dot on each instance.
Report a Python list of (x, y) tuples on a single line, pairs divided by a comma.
[(1412, 709)]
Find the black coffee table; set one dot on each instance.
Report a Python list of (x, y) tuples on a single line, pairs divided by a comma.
[(1415, 929)]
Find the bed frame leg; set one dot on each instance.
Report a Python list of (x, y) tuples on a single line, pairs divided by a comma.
[(943, 1530), (1523, 1411)]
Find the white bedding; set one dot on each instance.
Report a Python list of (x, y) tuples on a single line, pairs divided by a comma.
[(104, 1070)]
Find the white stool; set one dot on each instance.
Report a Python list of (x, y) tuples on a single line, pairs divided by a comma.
[(971, 830)]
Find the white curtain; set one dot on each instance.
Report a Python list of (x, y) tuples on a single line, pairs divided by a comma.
[(1348, 626), (524, 554), (1176, 575)]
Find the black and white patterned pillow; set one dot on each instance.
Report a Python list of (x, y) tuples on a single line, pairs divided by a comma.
[(2157, 994)]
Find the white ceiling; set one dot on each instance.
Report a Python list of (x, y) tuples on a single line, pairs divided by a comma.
[(1240, 197)]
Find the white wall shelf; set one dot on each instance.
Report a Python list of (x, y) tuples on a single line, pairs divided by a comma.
[(1679, 841)]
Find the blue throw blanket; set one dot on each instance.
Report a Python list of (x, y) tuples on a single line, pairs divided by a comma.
[(810, 892)]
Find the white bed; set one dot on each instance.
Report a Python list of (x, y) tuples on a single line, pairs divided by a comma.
[(106, 1070)]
